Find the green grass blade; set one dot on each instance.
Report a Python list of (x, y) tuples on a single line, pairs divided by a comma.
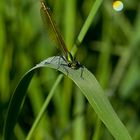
[(89, 20), (88, 85), (16, 103), (87, 24), (43, 109), (95, 95)]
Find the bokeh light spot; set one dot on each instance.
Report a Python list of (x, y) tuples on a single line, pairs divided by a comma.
[(118, 5)]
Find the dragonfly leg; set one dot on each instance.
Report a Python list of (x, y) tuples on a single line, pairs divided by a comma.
[(82, 70), (53, 60), (64, 67), (50, 60), (58, 66), (59, 62)]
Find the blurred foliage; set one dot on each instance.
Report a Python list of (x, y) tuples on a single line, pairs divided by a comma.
[(111, 50)]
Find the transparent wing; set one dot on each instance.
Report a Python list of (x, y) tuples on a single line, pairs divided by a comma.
[(50, 25)]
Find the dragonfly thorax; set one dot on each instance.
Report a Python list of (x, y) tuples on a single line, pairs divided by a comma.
[(72, 63), (69, 57)]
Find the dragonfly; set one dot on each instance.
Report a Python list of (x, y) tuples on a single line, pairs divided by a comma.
[(50, 24)]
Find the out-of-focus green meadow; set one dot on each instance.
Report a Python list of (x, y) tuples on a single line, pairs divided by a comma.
[(110, 50)]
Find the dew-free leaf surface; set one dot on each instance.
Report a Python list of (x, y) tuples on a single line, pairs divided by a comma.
[(90, 88)]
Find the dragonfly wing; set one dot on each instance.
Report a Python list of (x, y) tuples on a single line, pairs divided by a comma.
[(52, 29)]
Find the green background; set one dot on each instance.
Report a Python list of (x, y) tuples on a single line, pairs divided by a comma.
[(110, 50)]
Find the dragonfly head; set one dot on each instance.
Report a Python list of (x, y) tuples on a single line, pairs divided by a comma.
[(74, 65)]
